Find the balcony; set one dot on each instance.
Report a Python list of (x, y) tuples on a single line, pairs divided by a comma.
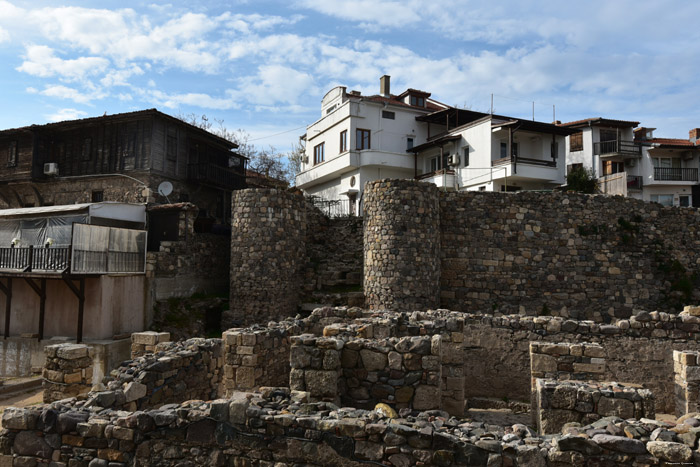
[(444, 178), (634, 182), (30, 259), (666, 174), (218, 176), (617, 148), (524, 160)]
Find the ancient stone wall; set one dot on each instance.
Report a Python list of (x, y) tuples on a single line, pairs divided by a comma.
[(636, 350), (686, 366), (268, 254), (560, 402), (281, 428), (570, 255), (146, 342), (174, 372), (401, 245), (257, 356), (67, 371), (194, 263)]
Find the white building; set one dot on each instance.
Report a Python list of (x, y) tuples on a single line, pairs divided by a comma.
[(469, 150), (362, 138), (631, 162)]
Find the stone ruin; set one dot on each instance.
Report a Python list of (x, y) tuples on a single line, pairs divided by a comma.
[(305, 391), (392, 386)]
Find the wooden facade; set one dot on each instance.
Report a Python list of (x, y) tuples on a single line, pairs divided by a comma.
[(147, 145)]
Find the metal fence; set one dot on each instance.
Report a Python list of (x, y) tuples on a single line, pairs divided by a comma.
[(101, 250), (337, 207)]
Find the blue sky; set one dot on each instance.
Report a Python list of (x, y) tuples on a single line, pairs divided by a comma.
[(263, 66)]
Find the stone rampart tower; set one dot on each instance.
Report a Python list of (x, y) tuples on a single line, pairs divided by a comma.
[(401, 245), (268, 252)]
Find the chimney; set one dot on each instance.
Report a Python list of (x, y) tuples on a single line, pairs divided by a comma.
[(694, 135), (384, 86)]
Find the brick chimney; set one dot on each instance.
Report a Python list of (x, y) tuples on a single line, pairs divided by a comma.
[(694, 135), (385, 86)]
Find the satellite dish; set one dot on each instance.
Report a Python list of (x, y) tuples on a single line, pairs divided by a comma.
[(165, 188)]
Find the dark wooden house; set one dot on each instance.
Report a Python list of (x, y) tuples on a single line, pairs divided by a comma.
[(122, 157)]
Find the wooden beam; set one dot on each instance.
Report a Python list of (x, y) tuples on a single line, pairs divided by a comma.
[(80, 293), (7, 290), (40, 290)]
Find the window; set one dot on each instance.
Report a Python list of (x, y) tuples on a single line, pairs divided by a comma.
[(465, 153), (418, 101), (12, 154), (87, 149), (363, 139), (571, 167), (97, 196), (504, 150), (612, 167), (343, 140), (576, 142), (482, 188), (171, 148), (667, 162), (684, 201), (434, 164), (388, 114), (510, 188), (319, 153), (665, 200), (409, 144)]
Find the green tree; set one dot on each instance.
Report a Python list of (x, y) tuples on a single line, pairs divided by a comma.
[(582, 180)]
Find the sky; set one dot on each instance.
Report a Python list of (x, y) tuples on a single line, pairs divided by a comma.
[(264, 66)]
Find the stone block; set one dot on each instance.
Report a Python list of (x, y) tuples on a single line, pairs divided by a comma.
[(540, 363), (426, 397), (72, 351), (134, 391), (321, 383), (373, 360)]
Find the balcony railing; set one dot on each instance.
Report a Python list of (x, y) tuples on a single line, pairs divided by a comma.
[(634, 182), (337, 207), (28, 259), (525, 160), (667, 174), (628, 148), (222, 177)]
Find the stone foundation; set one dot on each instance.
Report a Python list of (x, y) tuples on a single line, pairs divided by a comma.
[(560, 402), (686, 366), (67, 371)]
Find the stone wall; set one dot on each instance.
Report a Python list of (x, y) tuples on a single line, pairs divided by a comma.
[(686, 375), (276, 427), (571, 255), (67, 371), (268, 254), (560, 402), (194, 263), (174, 372), (257, 356), (146, 342), (401, 245), (637, 350)]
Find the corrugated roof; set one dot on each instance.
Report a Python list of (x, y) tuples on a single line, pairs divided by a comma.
[(601, 121)]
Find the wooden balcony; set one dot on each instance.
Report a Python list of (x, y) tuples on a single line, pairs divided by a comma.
[(215, 175), (666, 174), (617, 148), (31, 259)]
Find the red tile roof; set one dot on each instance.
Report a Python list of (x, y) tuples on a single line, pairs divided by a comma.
[(670, 142)]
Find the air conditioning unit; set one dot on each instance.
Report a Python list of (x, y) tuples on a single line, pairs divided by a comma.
[(305, 160), (51, 168), (454, 160)]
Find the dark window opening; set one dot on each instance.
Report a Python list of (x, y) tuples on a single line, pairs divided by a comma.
[(409, 143), (388, 114), (418, 101), (465, 152), (576, 142), (319, 153), (12, 154), (97, 196), (343, 140), (363, 139)]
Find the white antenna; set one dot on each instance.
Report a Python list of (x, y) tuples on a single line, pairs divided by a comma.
[(164, 189)]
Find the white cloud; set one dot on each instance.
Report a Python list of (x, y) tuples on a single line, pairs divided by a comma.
[(4, 36), (39, 60), (64, 92), (200, 100), (66, 114)]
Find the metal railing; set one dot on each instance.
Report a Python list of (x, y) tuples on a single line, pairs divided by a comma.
[(27, 259), (436, 173), (675, 174), (617, 147), (634, 182), (525, 160), (336, 207)]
